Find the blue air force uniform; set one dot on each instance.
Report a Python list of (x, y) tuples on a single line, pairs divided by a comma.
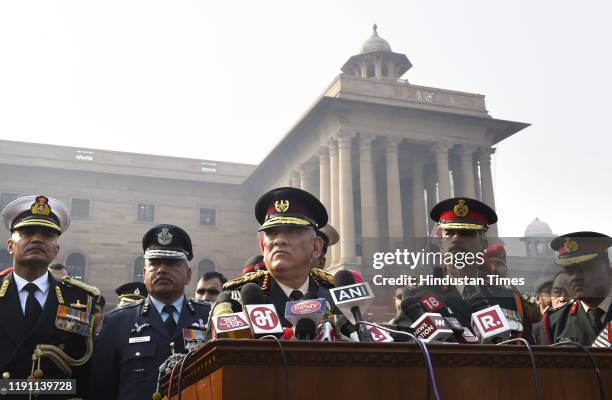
[(136, 338)]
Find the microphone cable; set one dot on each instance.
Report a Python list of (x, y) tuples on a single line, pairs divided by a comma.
[(182, 362), (423, 347), (284, 358), (534, 368), (602, 392)]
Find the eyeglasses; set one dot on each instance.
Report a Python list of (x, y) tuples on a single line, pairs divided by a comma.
[(211, 291)]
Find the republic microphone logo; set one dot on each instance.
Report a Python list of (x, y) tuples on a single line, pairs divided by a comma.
[(263, 318), (489, 321), (306, 307)]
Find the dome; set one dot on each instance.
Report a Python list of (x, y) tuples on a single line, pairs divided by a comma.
[(538, 228), (375, 43)]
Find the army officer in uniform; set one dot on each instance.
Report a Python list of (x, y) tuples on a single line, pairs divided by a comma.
[(36, 310), (289, 220), (584, 258), (135, 339)]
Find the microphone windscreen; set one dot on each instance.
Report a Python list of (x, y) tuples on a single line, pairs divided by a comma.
[(226, 297), (251, 293), (343, 278), (477, 302), (305, 329)]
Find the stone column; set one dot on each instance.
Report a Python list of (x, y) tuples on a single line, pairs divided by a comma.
[(364, 69), (467, 172), (369, 210), (334, 197), (378, 69), (294, 178), (488, 197), (394, 199), (347, 207), (306, 178), (418, 199), (441, 150), (324, 188), (432, 198)]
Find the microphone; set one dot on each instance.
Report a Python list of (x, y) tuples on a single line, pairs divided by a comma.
[(488, 322), (604, 339), (351, 298), (228, 321), (347, 329), (431, 302), (305, 309), (428, 326), (260, 311), (305, 329)]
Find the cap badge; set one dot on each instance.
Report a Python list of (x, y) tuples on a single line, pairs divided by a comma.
[(281, 205), (136, 291), (461, 209), (570, 245), (41, 206), (164, 237)]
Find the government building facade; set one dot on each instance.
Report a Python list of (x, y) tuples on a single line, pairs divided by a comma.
[(378, 151)]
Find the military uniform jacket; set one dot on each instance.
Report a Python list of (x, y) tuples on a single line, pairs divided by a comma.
[(318, 287), (17, 344), (505, 298), (570, 322), (132, 344)]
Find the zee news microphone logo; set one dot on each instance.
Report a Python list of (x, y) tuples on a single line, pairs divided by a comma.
[(490, 321)]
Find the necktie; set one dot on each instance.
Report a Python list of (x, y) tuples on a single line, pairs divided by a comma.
[(595, 315), (169, 322), (296, 295), (32, 308)]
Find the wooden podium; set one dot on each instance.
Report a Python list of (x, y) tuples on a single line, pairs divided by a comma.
[(253, 369)]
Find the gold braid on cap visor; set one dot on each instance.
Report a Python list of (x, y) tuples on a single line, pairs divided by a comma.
[(286, 221), (576, 260), (38, 222)]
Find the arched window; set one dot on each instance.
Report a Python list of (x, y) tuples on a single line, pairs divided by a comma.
[(204, 266), (370, 70), (75, 264), (137, 271), (385, 70), (6, 260)]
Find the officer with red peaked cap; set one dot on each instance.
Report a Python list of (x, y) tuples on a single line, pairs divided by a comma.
[(461, 225), (583, 256)]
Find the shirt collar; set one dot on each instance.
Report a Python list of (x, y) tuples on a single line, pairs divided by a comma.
[(178, 304), (42, 282), (604, 305), (287, 290)]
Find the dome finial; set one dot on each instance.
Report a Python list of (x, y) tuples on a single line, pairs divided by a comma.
[(374, 28)]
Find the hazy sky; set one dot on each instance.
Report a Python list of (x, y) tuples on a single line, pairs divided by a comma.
[(225, 81)]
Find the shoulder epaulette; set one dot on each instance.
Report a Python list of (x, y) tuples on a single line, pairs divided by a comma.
[(94, 291), (322, 277), (246, 278), (125, 305), (551, 309), (198, 303)]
